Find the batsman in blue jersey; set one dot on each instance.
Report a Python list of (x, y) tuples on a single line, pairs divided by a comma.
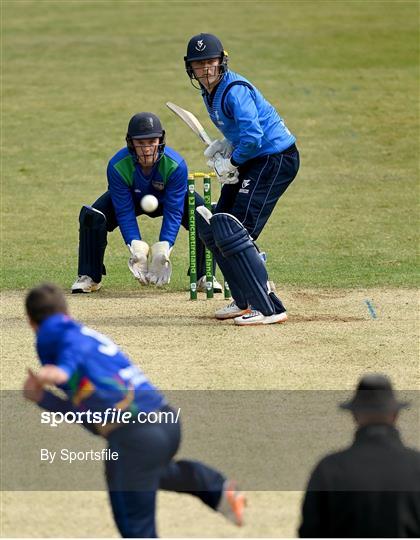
[(255, 161), (146, 166), (96, 377)]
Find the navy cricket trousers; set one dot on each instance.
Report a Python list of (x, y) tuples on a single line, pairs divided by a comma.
[(262, 181), (144, 465), (104, 205)]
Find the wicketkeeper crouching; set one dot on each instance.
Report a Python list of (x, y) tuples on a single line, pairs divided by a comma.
[(145, 166)]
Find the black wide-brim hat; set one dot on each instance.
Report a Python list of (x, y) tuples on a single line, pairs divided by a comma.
[(374, 394)]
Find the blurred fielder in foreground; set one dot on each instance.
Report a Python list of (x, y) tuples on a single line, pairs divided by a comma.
[(255, 161), (145, 167), (95, 375), (371, 489)]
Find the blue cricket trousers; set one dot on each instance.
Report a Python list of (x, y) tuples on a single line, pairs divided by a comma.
[(145, 464), (262, 181)]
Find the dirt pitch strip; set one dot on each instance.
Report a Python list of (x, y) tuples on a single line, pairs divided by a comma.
[(328, 342)]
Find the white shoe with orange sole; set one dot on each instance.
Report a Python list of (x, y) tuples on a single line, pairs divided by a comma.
[(85, 284), (254, 318), (230, 312)]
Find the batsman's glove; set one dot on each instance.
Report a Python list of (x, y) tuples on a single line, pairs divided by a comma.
[(160, 267), (137, 263), (226, 172), (222, 147)]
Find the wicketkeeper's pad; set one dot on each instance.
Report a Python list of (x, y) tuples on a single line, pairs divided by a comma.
[(92, 243)]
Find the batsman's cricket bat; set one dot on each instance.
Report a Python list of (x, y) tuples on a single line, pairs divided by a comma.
[(201, 133), (191, 122)]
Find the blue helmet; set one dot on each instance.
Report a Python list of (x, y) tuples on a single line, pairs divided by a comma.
[(145, 125), (203, 47)]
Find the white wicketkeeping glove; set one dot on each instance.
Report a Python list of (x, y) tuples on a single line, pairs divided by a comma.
[(222, 147), (160, 267), (137, 263), (226, 172)]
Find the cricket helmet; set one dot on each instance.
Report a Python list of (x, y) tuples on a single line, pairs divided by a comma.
[(203, 47), (145, 125)]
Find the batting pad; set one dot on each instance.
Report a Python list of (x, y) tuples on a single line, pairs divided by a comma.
[(205, 232), (92, 243), (248, 270)]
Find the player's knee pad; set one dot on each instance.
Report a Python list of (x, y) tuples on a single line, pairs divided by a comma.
[(205, 232), (92, 242), (250, 273)]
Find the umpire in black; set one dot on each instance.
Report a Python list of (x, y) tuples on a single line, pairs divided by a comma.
[(372, 488)]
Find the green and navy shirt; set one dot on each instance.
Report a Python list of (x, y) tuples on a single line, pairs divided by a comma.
[(127, 184)]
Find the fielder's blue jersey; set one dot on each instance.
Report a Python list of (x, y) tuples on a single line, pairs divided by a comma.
[(246, 119), (127, 184), (100, 374)]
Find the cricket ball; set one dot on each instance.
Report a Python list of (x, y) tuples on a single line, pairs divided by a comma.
[(149, 203)]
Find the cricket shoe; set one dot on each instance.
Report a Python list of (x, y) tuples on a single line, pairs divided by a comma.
[(202, 285), (230, 312), (232, 503), (85, 284), (255, 317)]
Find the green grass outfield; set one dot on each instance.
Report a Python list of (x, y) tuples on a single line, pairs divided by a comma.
[(343, 74)]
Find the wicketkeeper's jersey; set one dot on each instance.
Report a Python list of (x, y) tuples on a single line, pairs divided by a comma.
[(167, 182), (246, 119), (101, 376)]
